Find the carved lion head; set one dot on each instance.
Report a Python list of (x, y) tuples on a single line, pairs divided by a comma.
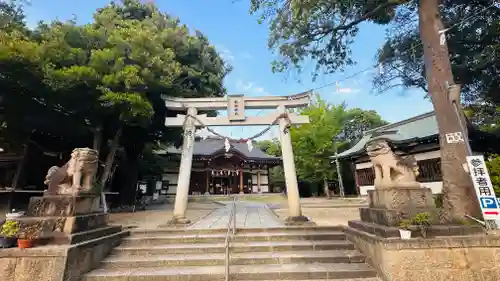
[(377, 147)]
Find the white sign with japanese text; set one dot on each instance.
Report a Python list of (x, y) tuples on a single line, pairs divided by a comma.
[(484, 189), (236, 108), (454, 137)]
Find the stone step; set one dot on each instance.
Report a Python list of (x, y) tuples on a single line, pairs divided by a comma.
[(236, 247), (93, 234), (339, 256), (168, 231), (163, 231), (297, 235), (322, 271), (350, 279)]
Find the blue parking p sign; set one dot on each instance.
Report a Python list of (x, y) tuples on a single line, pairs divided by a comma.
[(489, 203)]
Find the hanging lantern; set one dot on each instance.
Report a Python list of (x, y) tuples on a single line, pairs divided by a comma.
[(250, 145), (227, 145), (212, 173), (237, 172)]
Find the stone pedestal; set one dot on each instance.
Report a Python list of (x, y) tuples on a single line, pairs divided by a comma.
[(388, 207), (60, 219), (299, 221)]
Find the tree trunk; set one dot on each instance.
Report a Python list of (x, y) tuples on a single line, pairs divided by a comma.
[(108, 165), (325, 188), (97, 139), (458, 192), (20, 167)]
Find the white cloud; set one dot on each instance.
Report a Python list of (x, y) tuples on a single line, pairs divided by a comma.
[(250, 88), (243, 86), (225, 53), (347, 90)]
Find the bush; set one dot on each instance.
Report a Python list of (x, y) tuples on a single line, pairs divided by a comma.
[(438, 200), (9, 229), (493, 165)]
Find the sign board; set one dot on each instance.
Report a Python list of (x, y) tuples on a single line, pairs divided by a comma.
[(490, 206), (236, 108), (455, 137)]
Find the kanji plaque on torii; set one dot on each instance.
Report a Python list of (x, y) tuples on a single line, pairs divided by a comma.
[(236, 106)]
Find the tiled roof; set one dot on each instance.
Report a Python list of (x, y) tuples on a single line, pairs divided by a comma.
[(418, 127), (211, 145)]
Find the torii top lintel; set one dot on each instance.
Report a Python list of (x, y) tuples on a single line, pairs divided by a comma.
[(267, 102)]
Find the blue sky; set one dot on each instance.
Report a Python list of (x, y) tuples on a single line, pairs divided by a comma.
[(243, 43)]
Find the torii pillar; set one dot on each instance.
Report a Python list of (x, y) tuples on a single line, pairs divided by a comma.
[(236, 106)]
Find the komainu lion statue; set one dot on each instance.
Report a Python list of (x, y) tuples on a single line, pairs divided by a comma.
[(76, 176), (391, 170)]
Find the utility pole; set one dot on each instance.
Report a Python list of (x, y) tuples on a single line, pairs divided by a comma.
[(341, 183), (459, 198)]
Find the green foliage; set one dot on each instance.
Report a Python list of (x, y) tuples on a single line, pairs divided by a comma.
[(358, 121), (423, 221), (319, 29), (331, 127), (270, 147), (11, 15), (438, 200), (273, 148), (313, 143), (472, 54), (493, 165), (106, 76), (323, 30), (405, 224), (10, 229), (152, 165)]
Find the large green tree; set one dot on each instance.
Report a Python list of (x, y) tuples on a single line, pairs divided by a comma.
[(473, 43), (273, 148), (323, 30), (106, 77), (331, 128)]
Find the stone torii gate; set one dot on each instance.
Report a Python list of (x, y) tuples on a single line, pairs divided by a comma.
[(236, 106)]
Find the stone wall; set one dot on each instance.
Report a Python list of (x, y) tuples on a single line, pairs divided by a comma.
[(55, 263), (461, 258)]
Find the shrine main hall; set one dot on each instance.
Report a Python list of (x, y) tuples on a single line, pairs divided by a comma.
[(217, 171)]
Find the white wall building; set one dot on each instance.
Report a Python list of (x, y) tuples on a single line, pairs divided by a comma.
[(417, 136)]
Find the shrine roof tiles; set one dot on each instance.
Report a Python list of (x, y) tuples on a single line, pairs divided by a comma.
[(413, 129), (210, 146)]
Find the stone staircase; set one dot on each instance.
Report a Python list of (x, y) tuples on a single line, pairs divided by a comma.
[(287, 253)]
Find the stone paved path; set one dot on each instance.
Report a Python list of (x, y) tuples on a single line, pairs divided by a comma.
[(248, 215)]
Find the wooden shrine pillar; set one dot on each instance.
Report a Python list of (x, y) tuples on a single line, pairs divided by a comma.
[(241, 181), (207, 183), (258, 182)]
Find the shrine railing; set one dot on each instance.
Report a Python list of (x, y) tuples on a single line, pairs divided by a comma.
[(231, 231)]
